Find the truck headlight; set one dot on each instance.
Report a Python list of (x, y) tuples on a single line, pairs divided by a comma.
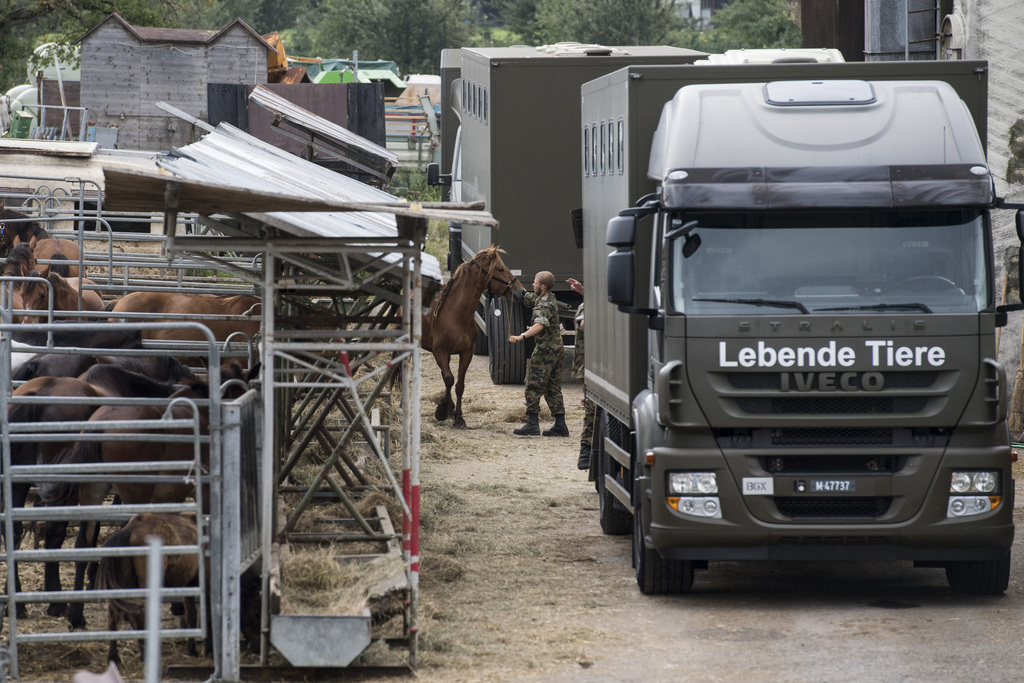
[(692, 483), (983, 481)]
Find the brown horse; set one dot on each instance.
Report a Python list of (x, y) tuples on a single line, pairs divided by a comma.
[(20, 262), (180, 571), (449, 329), (17, 228), (179, 303), (24, 453), (35, 296)]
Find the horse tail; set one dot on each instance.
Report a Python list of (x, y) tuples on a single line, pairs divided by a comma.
[(115, 573), (109, 308), (28, 370), (63, 268), (66, 492)]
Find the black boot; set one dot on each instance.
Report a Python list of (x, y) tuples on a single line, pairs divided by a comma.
[(531, 428), (583, 462), (559, 428)]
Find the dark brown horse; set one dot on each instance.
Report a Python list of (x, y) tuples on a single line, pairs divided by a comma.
[(178, 303), (24, 453), (180, 571), (17, 228), (133, 493), (449, 329)]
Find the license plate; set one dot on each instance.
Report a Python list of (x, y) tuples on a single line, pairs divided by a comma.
[(833, 485)]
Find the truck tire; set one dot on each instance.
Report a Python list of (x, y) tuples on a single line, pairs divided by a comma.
[(507, 361), (654, 574), (615, 519), (983, 577)]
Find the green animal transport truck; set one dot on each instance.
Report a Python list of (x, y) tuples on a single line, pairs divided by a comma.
[(791, 317)]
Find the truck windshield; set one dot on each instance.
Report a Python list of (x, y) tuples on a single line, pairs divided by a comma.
[(930, 262)]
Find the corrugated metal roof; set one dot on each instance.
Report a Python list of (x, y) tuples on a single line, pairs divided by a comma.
[(230, 159)]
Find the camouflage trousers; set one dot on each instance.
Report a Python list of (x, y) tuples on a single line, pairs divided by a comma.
[(589, 413), (544, 378)]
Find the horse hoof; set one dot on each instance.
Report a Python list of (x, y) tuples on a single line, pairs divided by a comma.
[(441, 414), (459, 424), (76, 622), (57, 609)]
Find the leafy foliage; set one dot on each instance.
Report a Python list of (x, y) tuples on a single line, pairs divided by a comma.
[(607, 22), (411, 33)]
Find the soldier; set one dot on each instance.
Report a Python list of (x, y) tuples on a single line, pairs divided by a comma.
[(590, 409), (544, 374)]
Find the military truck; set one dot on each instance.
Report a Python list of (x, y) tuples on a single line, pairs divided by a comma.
[(509, 138), (791, 318)]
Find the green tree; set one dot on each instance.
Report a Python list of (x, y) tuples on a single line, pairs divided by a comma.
[(607, 22), (26, 24), (751, 24), (411, 33)]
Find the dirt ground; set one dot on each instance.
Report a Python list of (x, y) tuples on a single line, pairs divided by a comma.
[(513, 558)]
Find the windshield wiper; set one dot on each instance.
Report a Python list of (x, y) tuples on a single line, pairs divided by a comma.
[(879, 307), (762, 302)]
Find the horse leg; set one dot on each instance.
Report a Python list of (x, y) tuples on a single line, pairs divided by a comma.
[(445, 405), (464, 360), (54, 533), (18, 497), (113, 622), (88, 535)]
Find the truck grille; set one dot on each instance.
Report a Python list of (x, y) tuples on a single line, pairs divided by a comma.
[(840, 405), (847, 436), (833, 464), (772, 380), (833, 508)]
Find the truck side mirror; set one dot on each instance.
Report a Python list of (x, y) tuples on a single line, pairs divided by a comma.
[(434, 176), (1002, 311), (621, 234)]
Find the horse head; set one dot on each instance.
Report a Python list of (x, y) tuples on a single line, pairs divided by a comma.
[(499, 279)]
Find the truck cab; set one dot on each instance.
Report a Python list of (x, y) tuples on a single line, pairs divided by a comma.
[(814, 376)]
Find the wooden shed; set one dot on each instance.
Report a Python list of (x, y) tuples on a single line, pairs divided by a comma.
[(126, 70)]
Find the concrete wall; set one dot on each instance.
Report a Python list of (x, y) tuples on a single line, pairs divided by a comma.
[(993, 33)]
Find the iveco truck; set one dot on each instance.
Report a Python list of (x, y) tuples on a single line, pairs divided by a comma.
[(791, 318)]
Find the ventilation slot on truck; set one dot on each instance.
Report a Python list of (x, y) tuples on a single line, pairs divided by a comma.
[(815, 405), (833, 508), (831, 464)]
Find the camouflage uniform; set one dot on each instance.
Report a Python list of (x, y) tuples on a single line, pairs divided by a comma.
[(544, 371), (590, 408)]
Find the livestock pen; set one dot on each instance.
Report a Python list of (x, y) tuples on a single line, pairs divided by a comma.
[(309, 456)]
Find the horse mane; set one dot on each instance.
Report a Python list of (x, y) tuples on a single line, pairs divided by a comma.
[(489, 254), (20, 260), (60, 284), (24, 229)]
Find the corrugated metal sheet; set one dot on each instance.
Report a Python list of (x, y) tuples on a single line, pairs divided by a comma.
[(230, 158)]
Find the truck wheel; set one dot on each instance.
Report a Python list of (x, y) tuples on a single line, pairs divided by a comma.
[(615, 519), (654, 574), (507, 361), (983, 577)]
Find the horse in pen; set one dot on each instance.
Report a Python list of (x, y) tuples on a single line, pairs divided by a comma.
[(17, 227), (449, 329), (173, 445), (180, 570)]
